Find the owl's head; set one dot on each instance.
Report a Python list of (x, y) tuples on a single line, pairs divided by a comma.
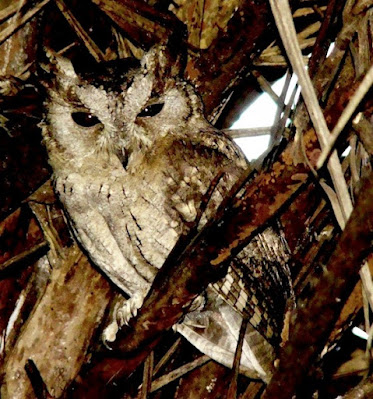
[(116, 109)]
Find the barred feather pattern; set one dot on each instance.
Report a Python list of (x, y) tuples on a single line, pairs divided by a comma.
[(133, 158)]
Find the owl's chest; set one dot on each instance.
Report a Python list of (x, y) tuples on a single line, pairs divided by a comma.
[(151, 202), (168, 192), (173, 184), (163, 203)]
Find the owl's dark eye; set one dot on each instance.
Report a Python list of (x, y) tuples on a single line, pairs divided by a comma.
[(151, 110), (85, 119)]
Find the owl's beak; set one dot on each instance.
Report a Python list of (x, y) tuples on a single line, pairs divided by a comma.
[(123, 157)]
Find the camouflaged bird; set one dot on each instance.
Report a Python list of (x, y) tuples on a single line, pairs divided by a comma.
[(132, 158)]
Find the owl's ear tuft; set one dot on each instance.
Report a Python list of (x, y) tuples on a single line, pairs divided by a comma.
[(55, 69), (164, 62)]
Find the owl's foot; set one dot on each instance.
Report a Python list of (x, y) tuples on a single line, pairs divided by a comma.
[(123, 311), (129, 308)]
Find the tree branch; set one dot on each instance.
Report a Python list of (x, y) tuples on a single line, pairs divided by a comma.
[(316, 317)]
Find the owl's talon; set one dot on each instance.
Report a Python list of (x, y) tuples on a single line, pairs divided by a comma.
[(123, 311), (110, 334), (129, 309)]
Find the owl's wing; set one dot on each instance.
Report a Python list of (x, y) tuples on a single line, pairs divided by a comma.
[(258, 284), (215, 330)]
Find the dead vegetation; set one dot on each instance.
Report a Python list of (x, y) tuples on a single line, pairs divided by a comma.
[(52, 301)]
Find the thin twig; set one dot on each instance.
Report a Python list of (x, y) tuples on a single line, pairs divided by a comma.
[(8, 12), (7, 32), (250, 132), (276, 131), (178, 373), (23, 256), (266, 86), (285, 24), (166, 357), (252, 390), (232, 391), (92, 47), (318, 51), (366, 278), (359, 94), (147, 376)]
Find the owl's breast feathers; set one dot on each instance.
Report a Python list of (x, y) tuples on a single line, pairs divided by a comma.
[(170, 180)]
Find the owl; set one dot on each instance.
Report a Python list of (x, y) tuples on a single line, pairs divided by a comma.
[(133, 157)]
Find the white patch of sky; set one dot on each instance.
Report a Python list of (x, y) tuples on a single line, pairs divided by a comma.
[(260, 113)]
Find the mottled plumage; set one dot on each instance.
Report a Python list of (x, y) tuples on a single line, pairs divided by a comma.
[(132, 158)]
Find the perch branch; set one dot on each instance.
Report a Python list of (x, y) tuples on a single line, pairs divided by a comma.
[(36, 380)]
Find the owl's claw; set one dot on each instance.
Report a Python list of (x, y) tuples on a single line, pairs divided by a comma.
[(129, 309), (124, 310), (110, 334)]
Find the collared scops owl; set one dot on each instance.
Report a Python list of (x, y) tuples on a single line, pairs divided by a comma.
[(132, 158)]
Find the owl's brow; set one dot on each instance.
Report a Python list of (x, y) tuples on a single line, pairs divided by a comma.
[(75, 102), (79, 105), (74, 99)]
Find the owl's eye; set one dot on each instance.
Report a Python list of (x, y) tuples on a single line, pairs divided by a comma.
[(151, 110), (85, 119)]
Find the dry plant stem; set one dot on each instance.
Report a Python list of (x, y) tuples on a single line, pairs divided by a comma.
[(252, 390), (147, 376), (315, 318), (38, 248), (266, 87), (232, 391), (178, 373), (285, 24), (8, 11), (366, 278), (318, 52), (363, 128), (250, 132), (282, 109), (92, 47), (362, 90), (166, 357), (7, 32)]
